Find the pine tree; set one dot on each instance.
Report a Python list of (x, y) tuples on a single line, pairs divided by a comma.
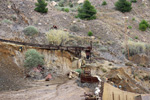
[(87, 11), (123, 5), (41, 6)]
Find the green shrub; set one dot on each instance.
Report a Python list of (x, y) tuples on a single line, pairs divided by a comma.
[(33, 59), (133, 19), (57, 37), (136, 37), (104, 70), (123, 6), (144, 22), (134, 1), (76, 16), (90, 33), (61, 4), (87, 11), (66, 9), (79, 71), (104, 3), (7, 21), (142, 27), (30, 31), (41, 6), (129, 27)]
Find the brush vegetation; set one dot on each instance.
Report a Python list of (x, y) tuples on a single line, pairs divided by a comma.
[(30, 31), (33, 59), (123, 6), (57, 37), (137, 48), (143, 25)]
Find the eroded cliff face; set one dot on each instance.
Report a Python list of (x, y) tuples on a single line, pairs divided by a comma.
[(11, 76), (12, 64), (59, 61)]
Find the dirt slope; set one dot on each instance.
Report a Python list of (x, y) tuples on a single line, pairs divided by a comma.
[(11, 76)]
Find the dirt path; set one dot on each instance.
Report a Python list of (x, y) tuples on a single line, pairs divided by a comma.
[(66, 91)]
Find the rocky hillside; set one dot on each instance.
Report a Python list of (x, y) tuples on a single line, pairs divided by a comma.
[(108, 41), (108, 28)]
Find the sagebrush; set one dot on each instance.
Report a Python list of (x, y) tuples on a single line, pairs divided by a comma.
[(57, 37), (30, 31), (33, 59), (90, 33)]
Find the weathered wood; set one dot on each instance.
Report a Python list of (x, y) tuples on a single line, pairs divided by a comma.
[(72, 49)]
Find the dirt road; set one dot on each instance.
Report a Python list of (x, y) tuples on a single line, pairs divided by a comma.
[(66, 91)]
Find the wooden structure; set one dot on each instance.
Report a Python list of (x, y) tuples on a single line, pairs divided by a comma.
[(86, 75), (76, 50), (90, 97)]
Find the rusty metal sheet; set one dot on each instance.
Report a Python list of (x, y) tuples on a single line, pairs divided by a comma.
[(88, 79)]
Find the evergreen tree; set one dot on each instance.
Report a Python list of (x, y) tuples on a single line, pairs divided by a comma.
[(123, 5), (87, 11), (41, 6)]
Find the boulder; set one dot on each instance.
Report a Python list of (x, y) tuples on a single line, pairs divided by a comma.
[(35, 73), (73, 74), (80, 1), (83, 54), (53, 3)]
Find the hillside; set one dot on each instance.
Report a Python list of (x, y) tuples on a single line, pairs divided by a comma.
[(120, 50), (108, 28)]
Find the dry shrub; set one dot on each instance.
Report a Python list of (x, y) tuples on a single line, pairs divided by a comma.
[(57, 37), (137, 48)]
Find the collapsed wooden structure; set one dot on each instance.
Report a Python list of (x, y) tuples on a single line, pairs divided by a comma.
[(86, 77)]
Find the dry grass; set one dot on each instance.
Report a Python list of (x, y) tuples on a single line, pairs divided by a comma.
[(138, 48), (57, 37)]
